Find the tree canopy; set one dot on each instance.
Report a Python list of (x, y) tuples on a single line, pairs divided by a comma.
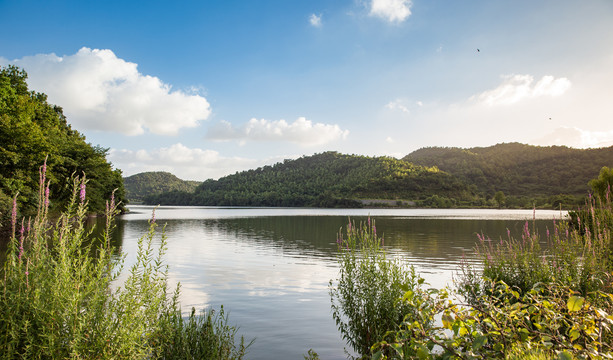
[(32, 130), (602, 185)]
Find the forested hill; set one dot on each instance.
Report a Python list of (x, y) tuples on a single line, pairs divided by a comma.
[(324, 180), (153, 183), (32, 130), (518, 169)]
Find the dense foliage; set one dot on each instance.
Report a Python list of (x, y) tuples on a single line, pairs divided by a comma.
[(32, 130), (549, 321), (153, 183), (524, 173), (326, 180), (64, 296)]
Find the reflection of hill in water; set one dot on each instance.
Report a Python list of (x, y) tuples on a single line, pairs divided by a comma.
[(436, 242)]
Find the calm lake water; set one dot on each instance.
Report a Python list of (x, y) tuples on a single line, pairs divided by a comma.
[(270, 267)]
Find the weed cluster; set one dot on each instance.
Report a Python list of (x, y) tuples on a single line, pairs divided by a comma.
[(527, 301), (61, 296), (366, 298)]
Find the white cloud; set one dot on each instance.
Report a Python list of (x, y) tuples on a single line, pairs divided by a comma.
[(301, 131), (577, 138), (515, 88), (397, 105), (315, 20), (186, 163), (391, 10), (100, 91)]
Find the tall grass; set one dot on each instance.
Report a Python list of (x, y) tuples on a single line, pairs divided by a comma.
[(578, 254), (60, 296)]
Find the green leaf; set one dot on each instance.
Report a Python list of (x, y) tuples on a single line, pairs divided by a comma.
[(423, 353), (447, 320), (398, 349), (565, 355), (575, 303), (479, 342), (574, 334)]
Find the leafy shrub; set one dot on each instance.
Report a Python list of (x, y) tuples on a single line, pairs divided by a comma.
[(547, 321), (366, 297)]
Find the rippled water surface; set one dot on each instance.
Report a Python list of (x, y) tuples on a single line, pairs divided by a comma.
[(270, 267)]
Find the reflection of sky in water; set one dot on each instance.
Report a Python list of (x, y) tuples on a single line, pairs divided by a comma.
[(270, 268)]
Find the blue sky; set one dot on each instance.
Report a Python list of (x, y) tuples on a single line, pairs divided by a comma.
[(207, 88)]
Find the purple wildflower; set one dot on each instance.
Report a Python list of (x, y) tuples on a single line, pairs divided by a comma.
[(152, 215), (47, 196), (21, 231), (43, 173), (82, 192), (14, 215)]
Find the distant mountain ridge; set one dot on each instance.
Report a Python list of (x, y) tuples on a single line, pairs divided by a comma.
[(146, 184), (518, 169), (526, 175)]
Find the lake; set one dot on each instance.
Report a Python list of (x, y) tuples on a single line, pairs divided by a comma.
[(270, 267)]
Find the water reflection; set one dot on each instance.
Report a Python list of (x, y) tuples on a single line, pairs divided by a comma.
[(271, 267)]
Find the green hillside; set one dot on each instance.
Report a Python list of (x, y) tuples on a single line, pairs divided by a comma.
[(146, 184), (503, 175), (324, 180), (519, 170)]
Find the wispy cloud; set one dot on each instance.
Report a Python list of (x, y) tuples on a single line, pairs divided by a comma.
[(397, 105), (185, 162), (515, 88), (100, 91), (576, 137), (394, 11), (315, 20), (302, 131)]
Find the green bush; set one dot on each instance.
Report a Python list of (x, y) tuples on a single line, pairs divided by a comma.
[(62, 297), (548, 321), (366, 297)]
